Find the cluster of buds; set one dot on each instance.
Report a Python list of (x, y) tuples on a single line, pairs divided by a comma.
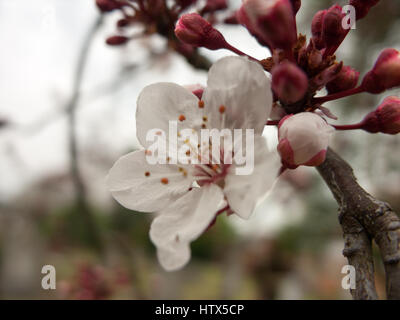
[(160, 17), (89, 283), (299, 68)]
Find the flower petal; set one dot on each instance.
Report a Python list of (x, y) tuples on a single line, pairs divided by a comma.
[(182, 222), (161, 102), (140, 186), (243, 88), (244, 191)]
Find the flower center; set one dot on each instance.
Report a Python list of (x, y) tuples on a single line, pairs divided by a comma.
[(211, 173)]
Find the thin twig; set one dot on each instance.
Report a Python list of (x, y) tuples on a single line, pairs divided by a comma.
[(71, 111)]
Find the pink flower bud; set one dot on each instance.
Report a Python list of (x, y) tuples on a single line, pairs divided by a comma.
[(345, 80), (243, 19), (316, 28), (272, 21), (289, 82), (385, 119), (108, 5), (296, 4), (362, 7), (303, 139), (333, 32), (385, 74), (117, 40), (193, 29)]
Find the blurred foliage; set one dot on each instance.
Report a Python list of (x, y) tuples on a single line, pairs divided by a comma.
[(319, 226), (215, 241)]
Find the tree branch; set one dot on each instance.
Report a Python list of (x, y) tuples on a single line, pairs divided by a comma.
[(71, 108), (364, 218)]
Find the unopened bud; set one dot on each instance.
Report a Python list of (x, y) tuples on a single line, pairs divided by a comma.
[(346, 79), (296, 4), (303, 139), (385, 74), (117, 40), (272, 21), (289, 82), (362, 7), (316, 28), (385, 119), (333, 32), (193, 29)]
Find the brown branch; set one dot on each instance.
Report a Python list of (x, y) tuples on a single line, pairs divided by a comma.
[(71, 109), (364, 218)]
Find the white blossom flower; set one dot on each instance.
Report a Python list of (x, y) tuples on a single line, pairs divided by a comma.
[(188, 197)]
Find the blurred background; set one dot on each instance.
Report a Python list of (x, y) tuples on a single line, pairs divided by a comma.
[(67, 106)]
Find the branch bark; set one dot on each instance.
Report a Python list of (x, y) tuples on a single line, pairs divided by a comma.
[(364, 218)]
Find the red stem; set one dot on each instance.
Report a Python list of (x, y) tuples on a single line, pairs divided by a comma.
[(240, 53), (355, 126)]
